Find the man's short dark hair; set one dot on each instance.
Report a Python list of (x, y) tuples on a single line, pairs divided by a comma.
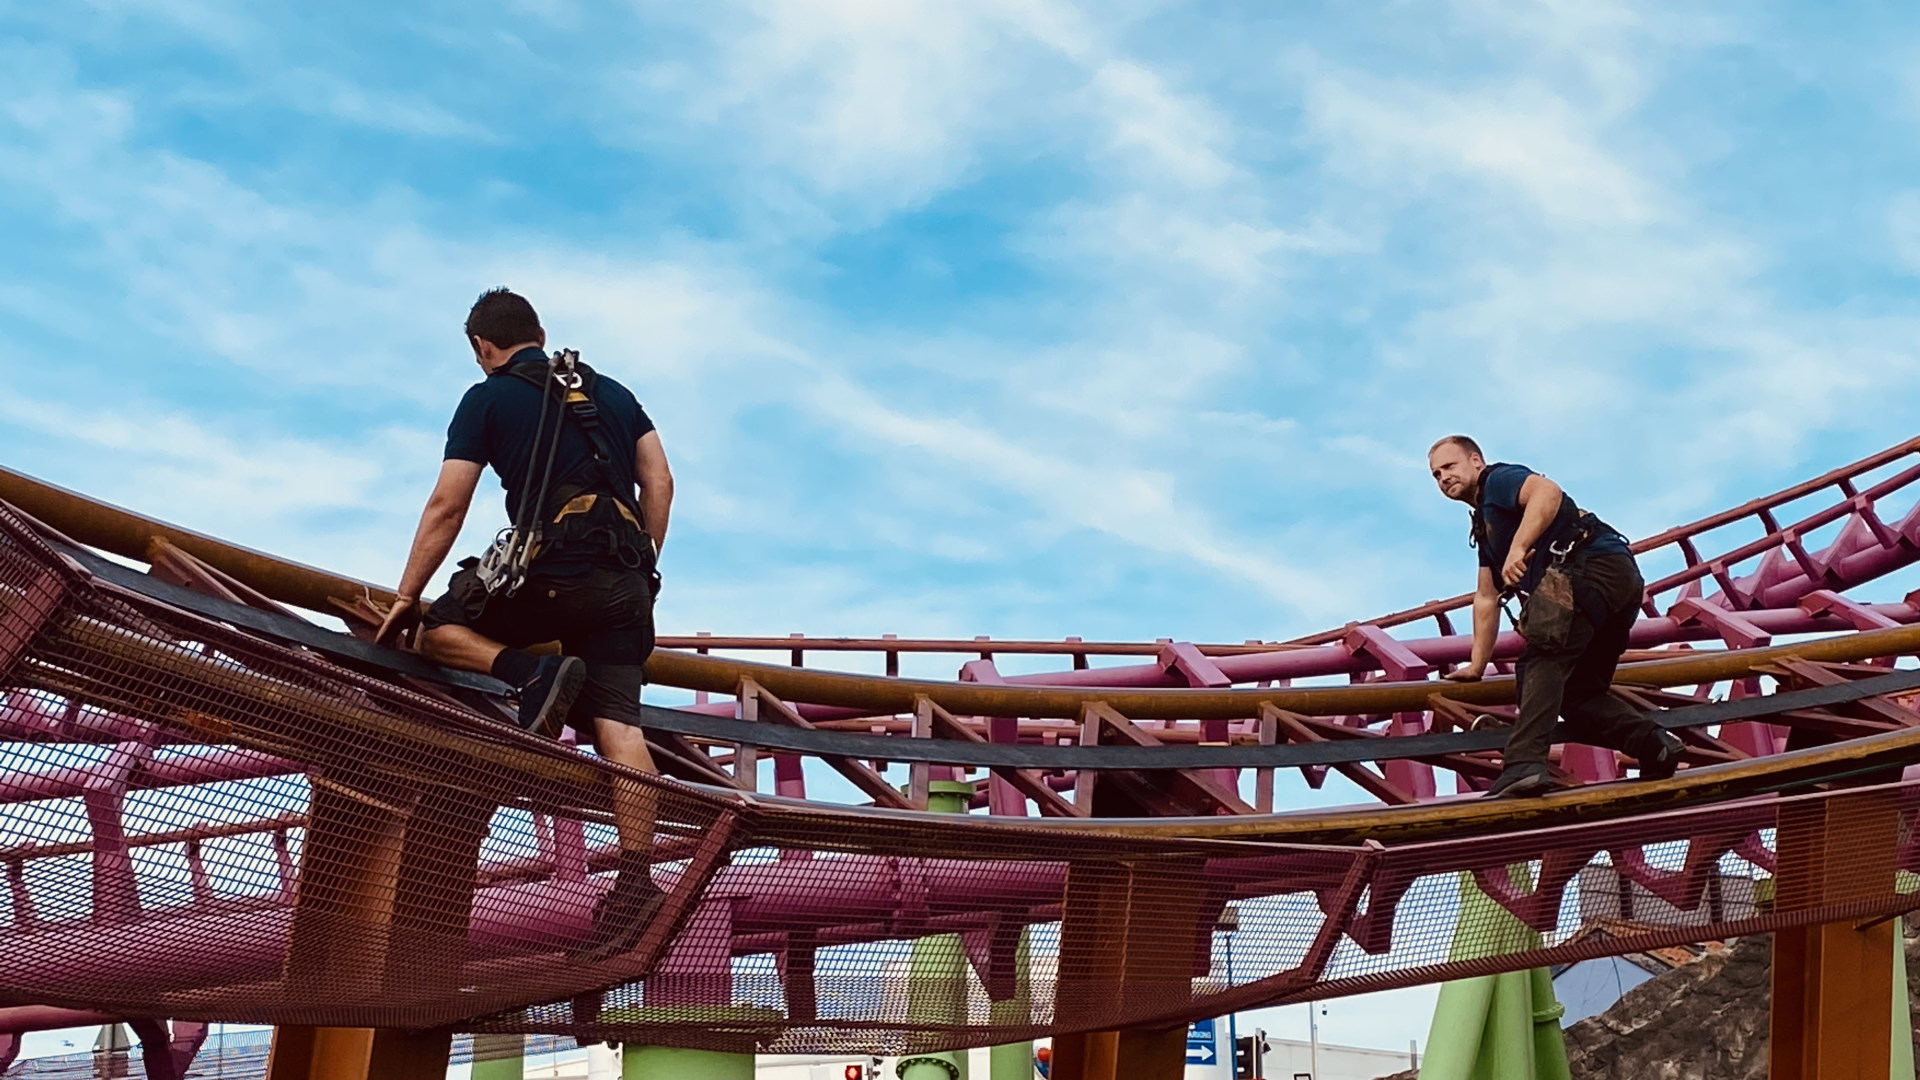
[(503, 318), (1463, 442)]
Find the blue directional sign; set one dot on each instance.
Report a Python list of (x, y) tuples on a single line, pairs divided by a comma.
[(1202, 1047)]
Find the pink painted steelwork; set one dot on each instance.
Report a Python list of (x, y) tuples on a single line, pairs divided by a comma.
[(529, 906)]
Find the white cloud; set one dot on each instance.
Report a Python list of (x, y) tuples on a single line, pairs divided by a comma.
[(1136, 506), (1524, 139), (1170, 380)]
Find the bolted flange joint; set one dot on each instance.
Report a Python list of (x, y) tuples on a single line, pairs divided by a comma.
[(900, 1068)]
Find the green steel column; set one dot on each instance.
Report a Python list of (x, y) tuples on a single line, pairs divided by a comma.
[(1900, 1064), (937, 968), (668, 1063), (1549, 1039), (1496, 1027), (1459, 1017), (499, 1057), (672, 1063), (1014, 1061)]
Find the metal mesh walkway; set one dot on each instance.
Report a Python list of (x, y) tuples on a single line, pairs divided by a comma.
[(196, 823)]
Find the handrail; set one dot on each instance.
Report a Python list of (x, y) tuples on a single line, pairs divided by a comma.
[(122, 532), (131, 535), (891, 695)]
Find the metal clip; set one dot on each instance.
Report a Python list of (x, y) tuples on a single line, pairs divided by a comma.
[(563, 363)]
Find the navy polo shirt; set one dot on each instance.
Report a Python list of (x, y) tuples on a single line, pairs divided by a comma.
[(1497, 518), (495, 424)]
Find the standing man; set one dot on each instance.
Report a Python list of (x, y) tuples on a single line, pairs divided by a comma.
[(591, 586), (1522, 524)]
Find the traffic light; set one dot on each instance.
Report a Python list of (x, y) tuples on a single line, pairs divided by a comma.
[(1249, 1056)]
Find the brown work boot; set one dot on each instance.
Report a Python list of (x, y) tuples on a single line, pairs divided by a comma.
[(1663, 759)]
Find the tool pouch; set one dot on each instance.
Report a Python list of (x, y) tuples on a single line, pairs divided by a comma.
[(1546, 615)]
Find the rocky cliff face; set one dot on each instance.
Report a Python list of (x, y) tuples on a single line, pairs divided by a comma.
[(1706, 1020)]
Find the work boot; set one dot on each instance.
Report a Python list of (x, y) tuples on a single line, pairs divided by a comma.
[(1660, 762), (621, 916), (1521, 782), (545, 699)]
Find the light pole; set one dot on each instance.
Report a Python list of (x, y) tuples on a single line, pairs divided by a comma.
[(1229, 924), (1313, 1039)]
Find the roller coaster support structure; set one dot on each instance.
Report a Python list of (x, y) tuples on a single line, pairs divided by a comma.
[(1832, 981), (380, 864)]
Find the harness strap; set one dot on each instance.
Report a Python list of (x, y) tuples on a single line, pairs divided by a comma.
[(572, 506), (579, 405)]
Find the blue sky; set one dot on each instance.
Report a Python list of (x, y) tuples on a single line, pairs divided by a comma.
[(1123, 320), (1127, 320)]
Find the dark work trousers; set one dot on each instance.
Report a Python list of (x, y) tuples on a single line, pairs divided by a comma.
[(1572, 682)]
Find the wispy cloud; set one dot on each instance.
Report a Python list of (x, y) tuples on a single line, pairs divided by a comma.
[(1045, 304)]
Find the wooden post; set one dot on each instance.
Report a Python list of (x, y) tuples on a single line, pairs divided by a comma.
[(1127, 943), (380, 920), (1832, 982)]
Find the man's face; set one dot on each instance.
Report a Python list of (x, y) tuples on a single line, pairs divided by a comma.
[(1455, 470)]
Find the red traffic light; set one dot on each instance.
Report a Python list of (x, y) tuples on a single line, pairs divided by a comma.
[(855, 1072)]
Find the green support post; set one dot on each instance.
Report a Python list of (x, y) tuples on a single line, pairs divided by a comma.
[(669, 1063), (1014, 1061), (938, 967), (1496, 1027), (673, 1063), (1900, 1063), (499, 1057)]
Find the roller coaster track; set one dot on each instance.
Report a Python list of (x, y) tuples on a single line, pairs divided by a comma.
[(174, 734)]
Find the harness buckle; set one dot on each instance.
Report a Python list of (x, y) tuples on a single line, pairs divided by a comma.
[(563, 364)]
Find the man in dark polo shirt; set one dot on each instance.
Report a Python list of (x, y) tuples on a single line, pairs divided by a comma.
[(1522, 521), (591, 587)]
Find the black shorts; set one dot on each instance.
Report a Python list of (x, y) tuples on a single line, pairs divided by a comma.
[(602, 616)]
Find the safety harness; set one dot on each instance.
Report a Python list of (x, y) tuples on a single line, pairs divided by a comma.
[(590, 510), (1546, 611)]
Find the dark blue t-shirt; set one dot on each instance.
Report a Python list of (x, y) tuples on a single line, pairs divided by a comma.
[(497, 418), (1498, 518)]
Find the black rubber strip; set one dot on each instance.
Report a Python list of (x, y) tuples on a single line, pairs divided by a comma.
[(1187, 756), (355, 653), (343, 647)]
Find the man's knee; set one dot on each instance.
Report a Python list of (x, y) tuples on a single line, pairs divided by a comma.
[(435, 641), (454, 645), (623, 743)]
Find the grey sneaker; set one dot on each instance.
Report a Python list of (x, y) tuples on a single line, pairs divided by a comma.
[(545, 700), (1521, 782)]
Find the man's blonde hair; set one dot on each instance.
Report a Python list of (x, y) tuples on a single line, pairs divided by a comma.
[(1463, 442)]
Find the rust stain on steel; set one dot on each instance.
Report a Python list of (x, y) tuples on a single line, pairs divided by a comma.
[(1457, 817), (123, 532), (892, 695)]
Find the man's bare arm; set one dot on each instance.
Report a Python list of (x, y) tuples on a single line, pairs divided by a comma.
[(440, 523), (1486, 628), (1539, 502), (655, 478)]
